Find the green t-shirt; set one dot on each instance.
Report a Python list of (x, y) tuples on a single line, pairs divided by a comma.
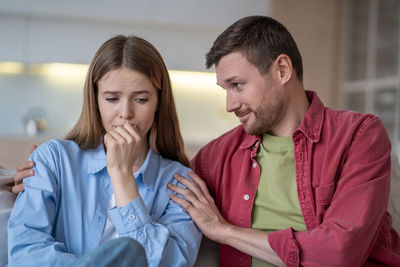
[(276, 205)]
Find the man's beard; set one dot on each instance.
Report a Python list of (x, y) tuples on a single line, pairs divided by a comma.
[(266, 115)]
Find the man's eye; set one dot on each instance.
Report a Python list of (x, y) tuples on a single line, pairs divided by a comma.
[(237, 85)]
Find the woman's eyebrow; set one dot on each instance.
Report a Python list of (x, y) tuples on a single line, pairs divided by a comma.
[(110, 92), (140, 92), (119, 92)]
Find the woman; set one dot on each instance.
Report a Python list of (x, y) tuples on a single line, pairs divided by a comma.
[(109, 178)]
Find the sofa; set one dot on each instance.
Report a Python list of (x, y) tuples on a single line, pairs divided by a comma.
[(208, 254)]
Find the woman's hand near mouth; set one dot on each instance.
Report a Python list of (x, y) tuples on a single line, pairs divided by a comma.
[(123, 145)]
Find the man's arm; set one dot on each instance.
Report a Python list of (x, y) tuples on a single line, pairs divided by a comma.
[(201, 207), (354, 213)]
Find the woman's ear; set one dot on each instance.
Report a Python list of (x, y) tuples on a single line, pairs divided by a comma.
[(284, 68)]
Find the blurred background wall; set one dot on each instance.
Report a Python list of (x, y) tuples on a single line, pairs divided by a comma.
[(350, 52)]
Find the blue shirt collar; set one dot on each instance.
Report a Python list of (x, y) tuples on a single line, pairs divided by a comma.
[(148, 171), (96, 159)]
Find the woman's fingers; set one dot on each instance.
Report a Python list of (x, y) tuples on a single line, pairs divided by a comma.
[(109, 140), (125, 134), (133, 131), (117, 138), (123, 144)]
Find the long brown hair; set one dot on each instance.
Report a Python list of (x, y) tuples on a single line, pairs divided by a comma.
[(136, 54)]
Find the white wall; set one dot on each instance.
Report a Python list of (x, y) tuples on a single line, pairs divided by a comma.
[(41, 31), (317, 26), (37, 31)]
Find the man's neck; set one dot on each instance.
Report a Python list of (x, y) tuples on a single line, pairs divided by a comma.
[(296, 106)]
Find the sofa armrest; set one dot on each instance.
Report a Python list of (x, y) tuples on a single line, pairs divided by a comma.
[(7, 199), (394, 201)]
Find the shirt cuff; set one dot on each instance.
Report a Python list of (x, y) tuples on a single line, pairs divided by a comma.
[(285, 245), (130, 217)]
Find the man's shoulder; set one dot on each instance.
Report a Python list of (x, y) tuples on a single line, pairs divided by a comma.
[(350, 125), (346, 117), (223, 147), (231, 138)]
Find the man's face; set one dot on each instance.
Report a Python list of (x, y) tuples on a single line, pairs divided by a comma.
[(254, 98)]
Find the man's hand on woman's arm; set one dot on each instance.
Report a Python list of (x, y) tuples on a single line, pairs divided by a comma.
[(201, 207), (24, 169)]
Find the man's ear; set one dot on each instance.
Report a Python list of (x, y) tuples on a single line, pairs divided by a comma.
[(284, 68)]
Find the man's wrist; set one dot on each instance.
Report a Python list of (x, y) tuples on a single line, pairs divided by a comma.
[(224, 233)]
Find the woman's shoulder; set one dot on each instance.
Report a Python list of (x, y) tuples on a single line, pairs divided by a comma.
[(172, 164), (168, 167), (55, 148), (57, 145)]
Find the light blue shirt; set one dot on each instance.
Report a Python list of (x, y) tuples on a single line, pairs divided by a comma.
[(62, 212)]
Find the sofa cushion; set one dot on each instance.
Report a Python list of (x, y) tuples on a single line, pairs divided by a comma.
[(208, 254), (394, 201), (6, 202)]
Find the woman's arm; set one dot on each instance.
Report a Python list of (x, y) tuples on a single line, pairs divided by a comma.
[(31, 222), (172, 240)]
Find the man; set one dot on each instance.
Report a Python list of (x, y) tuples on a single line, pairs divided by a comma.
[(296, 183)]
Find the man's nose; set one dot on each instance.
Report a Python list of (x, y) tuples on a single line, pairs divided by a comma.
[(232, 102)]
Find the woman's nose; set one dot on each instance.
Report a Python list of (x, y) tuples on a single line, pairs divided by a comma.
[(126, 111)]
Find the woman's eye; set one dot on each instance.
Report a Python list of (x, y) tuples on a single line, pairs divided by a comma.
[(112, 99), (141, 100)]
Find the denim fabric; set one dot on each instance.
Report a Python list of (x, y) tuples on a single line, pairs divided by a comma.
[(121, 252)]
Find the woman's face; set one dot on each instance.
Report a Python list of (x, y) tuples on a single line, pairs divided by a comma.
[(126, 95)]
